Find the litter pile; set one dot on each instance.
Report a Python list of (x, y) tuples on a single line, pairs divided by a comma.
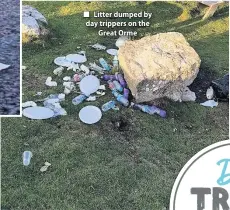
[(87, 78)]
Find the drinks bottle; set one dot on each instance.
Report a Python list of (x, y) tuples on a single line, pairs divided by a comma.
[(117, 85), (79, 99), (104, 64), (120, 98), (107, 106)]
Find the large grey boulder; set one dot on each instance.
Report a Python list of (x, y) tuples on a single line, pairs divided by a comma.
[(33, 23), (159, 66)]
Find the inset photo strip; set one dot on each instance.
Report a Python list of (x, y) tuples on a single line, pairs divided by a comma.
[(10, 58), (117, 96)]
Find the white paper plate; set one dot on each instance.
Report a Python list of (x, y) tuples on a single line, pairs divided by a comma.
[(90, 114), (61, 61), (38, 113), (76, 58), (112, 51), (89, 85)]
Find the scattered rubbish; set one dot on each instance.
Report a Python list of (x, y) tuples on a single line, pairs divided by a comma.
[(210, 93), (62, 61), (55, 106), (4, 66), (107, 106), (28, 104), (149, 109), (77, 58), (91, 98), (112, 51), (115, 65), (69, 87), (58, 71), (78, 77), (38, 113), (101, 87), (111, 85), (79, 99), (188, 95), (50, 83), (38, 94), (90, 114), (74, 67), (26, 157), (209, 103), (95, 67), (126, 93), (104, 64), (121, 79), (118, 86), (67, 78), (89, 85), (98, 46), (85, 69), (45, 167), (121, 41), (120, 98), (108, 77), (221, 88), (100, 93), (60, 97), (24, 67)]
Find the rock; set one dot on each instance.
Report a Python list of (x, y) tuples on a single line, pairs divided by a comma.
[(188, 95), (33, 23), (159, 66)]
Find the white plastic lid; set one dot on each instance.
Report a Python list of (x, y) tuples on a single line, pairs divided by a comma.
[(62, 61), (76, 58), (38, 113), (90, 114), (89, 85), (112, 51)]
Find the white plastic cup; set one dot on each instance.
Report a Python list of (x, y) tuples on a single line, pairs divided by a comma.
[(26, 158)]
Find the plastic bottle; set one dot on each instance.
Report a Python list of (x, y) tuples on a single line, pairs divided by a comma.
[(107, 77), (79, 99), (26, 158), (150, 109), (120, 98), (111, 85), (121, 80), (104, 64), (126, 93), (107, 106), (115, 64), (55, 106), (117, 85)]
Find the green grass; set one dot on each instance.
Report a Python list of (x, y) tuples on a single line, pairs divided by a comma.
[(98, 166)]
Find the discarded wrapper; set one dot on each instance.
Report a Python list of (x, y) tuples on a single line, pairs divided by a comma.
[(28, 104), (50, 83), (210, 103), (45, 167), (98, 46), (74, 67), (58, 71)]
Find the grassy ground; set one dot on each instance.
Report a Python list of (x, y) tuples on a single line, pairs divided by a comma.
[(100, 166)]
